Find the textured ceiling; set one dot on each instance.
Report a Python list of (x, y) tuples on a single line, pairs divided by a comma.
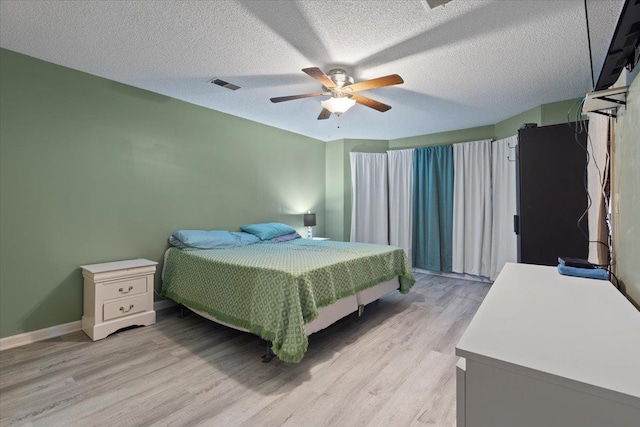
[(469, 63)]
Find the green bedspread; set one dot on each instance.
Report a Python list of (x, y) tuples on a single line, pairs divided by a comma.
[(273, 289)]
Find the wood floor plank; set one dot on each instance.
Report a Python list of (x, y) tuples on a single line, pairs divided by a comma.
[(393, 366), (422, 387)]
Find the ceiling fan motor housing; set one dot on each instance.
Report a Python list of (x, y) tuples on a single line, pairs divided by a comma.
[(339, 77)]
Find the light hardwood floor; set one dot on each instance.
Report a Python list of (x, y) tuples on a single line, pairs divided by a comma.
[(394, 366)]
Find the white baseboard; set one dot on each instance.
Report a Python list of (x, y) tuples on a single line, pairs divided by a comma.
[(39, 335), (58, 330)]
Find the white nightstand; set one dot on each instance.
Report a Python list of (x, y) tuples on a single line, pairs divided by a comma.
[(117, 295), (320, 238)]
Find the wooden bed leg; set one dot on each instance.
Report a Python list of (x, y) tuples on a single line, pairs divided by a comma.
[(269, 356), (360, 310)]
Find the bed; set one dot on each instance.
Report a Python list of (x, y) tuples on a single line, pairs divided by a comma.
[(284, 291)]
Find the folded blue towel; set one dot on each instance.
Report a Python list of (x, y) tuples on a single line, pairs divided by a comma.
[(590, 273)]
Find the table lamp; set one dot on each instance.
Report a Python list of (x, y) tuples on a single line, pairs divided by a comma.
[(309, 221)]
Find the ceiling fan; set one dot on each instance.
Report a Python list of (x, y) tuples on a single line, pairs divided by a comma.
[(343, 90)]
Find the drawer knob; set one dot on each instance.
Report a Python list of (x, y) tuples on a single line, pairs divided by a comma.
[(122, 291), (122, 309)]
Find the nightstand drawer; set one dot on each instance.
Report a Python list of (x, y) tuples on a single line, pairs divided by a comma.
[(124, 288), (125, 307)]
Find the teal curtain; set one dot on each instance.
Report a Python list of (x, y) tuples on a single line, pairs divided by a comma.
[(433, 208)]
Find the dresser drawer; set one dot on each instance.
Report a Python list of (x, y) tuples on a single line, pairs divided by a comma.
[(124, 288), (125, 307)]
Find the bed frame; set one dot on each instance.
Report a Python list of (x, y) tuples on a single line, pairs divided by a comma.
[(326, 315)]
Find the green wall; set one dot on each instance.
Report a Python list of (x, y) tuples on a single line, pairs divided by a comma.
[(558, 112), (444, 138), (510, 126), (94, 171), (543, 115), (626, 195), (335, 185)]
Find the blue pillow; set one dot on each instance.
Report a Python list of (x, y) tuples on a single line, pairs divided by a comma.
[(268, 231), (245, 238), (285, 238), (203, 239)]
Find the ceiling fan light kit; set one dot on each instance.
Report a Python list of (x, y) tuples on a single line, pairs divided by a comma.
[(338, 105), (342, 89)]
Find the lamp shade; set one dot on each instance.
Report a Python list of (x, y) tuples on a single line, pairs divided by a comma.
[(310, 220)]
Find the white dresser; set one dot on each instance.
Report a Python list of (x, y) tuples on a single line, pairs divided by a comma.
[(550, 350), (117, 295)]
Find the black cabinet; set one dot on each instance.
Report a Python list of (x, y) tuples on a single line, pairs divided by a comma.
[(551, 194)]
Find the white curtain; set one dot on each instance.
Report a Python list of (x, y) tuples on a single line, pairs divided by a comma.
[(596, 175), (504, 240), (369, 210), (472, 208), (401, 199)]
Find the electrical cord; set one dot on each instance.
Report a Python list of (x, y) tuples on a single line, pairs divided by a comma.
[(580, 127), (586, 18), (602, 180), (579, 101), (617, 284)]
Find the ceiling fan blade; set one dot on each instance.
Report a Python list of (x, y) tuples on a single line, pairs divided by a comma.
[(370, 103), (390, 80), (324, 114), (319, 75), (292, 97)]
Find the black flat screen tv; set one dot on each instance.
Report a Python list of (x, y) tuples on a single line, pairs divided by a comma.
[(624, 50)]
